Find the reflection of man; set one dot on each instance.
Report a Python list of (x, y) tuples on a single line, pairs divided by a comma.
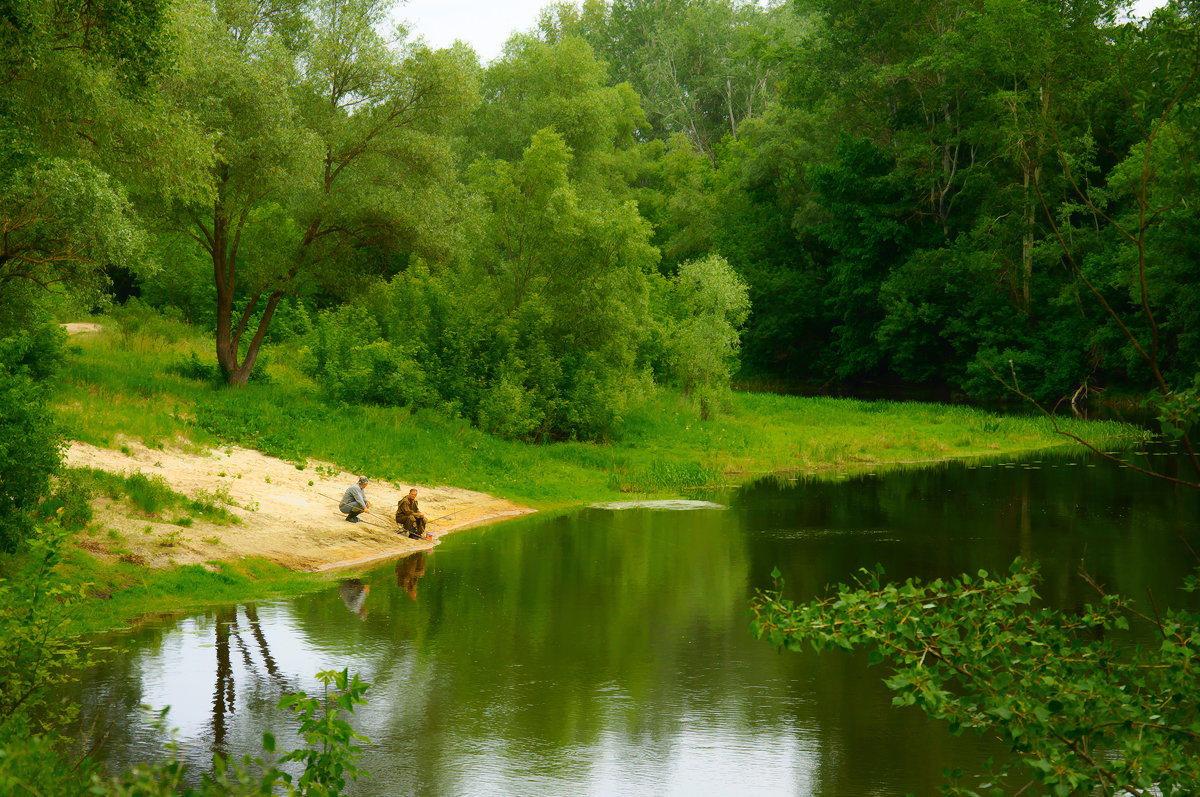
[(355, 502), (409, 571), (409, 515), (354, 595)]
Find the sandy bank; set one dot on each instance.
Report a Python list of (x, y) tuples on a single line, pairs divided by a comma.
[(289, 515)]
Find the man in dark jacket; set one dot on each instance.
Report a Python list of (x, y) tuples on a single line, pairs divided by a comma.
[(410, 517)]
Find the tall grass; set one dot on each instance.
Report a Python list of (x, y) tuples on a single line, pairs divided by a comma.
[(134, 384), (150, 494)]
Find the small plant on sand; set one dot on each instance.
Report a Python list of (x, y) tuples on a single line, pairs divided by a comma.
[(171, 538)]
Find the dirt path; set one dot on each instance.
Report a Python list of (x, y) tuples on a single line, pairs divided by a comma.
[(288, 515)]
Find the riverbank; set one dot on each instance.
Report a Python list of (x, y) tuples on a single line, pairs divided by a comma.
[(143, 378), (284, 513), (135, 396)]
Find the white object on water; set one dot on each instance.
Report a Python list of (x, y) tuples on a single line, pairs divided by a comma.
[(672, 504)]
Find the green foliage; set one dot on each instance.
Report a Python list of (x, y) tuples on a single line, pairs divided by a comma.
[(352, 363), (36, 764), (1081, 709), (711, 304), (332, 752), (30, 438), (38, 654), (69, 501), (1179, 410)]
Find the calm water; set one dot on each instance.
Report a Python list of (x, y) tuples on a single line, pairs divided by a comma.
[(606, 650)]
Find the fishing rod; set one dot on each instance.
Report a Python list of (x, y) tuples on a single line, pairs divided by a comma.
[(443, 517)]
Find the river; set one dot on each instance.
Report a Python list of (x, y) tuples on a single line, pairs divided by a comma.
[(606, 650)]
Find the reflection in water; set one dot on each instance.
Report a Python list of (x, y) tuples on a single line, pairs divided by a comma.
[(603, 652), (224, 700), (223, 697), (354, 595), (409, 571)]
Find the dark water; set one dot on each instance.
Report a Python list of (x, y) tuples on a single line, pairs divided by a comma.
[(606, 651)]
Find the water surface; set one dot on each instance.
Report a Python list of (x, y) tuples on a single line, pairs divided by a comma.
[(606, 650)]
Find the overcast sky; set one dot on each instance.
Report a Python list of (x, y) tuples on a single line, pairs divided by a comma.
[(487, 24)]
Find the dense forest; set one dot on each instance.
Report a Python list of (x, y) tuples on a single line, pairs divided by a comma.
[(967, 198), (884, 195)]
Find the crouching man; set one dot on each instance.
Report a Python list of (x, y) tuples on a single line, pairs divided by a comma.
[(355, 502)]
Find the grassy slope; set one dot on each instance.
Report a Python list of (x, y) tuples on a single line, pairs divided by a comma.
[(124, 383), (120, 385)]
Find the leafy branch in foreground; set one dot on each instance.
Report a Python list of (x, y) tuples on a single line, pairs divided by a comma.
[(331, 755), (1081, 710)]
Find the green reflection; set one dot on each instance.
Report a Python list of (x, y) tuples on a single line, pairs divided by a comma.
[(605, 651)]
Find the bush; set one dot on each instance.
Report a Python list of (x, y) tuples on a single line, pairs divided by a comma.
[(354, 364), (30, 440), (70, 501)]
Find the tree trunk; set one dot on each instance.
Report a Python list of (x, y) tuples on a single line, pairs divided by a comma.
[(223, 273), (1027, 246), (240, 374)]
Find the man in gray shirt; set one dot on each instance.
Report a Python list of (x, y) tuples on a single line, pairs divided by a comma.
[(355, 502)]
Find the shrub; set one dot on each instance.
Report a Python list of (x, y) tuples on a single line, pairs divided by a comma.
[(69, 502), (30, 439)]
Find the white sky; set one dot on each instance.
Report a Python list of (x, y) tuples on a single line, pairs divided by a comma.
[(483, 24), (487, 24)]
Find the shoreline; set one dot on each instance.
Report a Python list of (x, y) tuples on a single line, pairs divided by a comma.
[(487, 520), (283, 511)]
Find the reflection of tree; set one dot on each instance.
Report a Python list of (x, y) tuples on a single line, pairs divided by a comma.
[(268, 659), (227, 632), (409, 571), (224, 694)]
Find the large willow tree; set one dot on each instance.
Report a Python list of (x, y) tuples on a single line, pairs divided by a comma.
[(331, 139)]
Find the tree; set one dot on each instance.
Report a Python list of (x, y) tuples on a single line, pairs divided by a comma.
[(701, 67), (711, 303), (1082, 710), (1122, 240), (80, 132), (332, 142)]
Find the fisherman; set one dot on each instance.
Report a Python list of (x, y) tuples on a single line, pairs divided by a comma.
[(355, 502), (410, 517)]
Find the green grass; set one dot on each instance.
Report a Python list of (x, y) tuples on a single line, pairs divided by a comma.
[(122, 593), (133, 381), (150, 495), (128, 384)]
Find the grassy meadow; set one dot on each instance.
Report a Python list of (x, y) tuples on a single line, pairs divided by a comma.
[(144, 378), (140, 379)]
